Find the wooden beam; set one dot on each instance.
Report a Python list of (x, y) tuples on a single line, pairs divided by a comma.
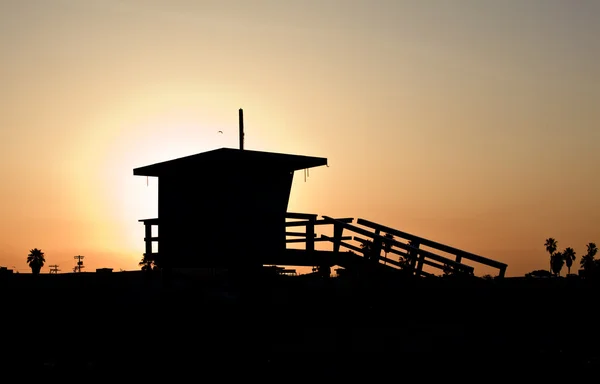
[(290, 241), (303, 223), (433, 244), (310, 235), (389, 261), (149, 221), (343, 220), (148, 235), (325, 237), (408, 256), (322, 238), (302, 234), (427, 274), (303, 216), (393, 262), (350, 246), (502, 272), (400, 253)]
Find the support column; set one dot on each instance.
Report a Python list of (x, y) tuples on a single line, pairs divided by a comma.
[(148, 240), (414, 255), (376, 248), (310, 235), (337, 237), (502, 272)]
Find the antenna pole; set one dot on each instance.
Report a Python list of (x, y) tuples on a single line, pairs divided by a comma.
[(241, 129)]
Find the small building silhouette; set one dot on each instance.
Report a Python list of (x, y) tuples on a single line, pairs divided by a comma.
[(223, 208)]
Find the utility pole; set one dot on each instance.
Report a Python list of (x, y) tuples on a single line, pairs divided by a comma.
[(80, 265), (54, 269), (241, 124)]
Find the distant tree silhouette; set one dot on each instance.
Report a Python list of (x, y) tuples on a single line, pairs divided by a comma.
[(148, 264), (587, 261), (569, 256), (539, 273), (366, 247), (455, 271), (36, 260), (387, 246), (557, 262), (551, 245)]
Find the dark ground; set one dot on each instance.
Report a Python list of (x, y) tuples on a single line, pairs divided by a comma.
[(290, 328)]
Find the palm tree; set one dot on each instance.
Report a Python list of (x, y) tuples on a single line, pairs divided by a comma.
[(592, 249), (587, 261), (36, 260), (557, 261), (387, 245), (551, 244), (569, 256)]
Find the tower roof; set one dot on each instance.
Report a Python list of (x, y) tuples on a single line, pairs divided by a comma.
[(228, 158)]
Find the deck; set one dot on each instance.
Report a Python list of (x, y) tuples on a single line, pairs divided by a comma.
[(358, 244)]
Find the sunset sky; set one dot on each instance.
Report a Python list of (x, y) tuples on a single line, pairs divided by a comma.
[(472, 123)]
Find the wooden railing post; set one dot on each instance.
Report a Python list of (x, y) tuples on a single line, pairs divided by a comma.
[(338, 230), (310, 234), (502, 272), (148, 239), (376, 248), (414, 256)]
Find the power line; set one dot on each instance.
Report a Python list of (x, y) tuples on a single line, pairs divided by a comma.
[(54, 269), (79, 265)]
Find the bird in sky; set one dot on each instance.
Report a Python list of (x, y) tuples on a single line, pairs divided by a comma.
[(220, 131)]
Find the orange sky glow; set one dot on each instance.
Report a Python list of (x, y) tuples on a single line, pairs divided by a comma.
[(471, 123)]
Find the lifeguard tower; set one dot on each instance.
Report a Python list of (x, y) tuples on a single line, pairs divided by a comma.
[(227, 208), (224, 208)]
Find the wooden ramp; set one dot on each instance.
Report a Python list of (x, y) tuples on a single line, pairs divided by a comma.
[(361, 245)]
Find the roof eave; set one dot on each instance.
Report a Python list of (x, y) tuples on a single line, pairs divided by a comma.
[(146, 171)]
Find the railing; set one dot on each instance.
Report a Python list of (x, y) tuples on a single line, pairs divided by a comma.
[(416, 242), (148, 239), (373, 241), (309, 236), (370, 239)]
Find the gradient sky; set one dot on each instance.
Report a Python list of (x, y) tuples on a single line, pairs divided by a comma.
[(474, 123)]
